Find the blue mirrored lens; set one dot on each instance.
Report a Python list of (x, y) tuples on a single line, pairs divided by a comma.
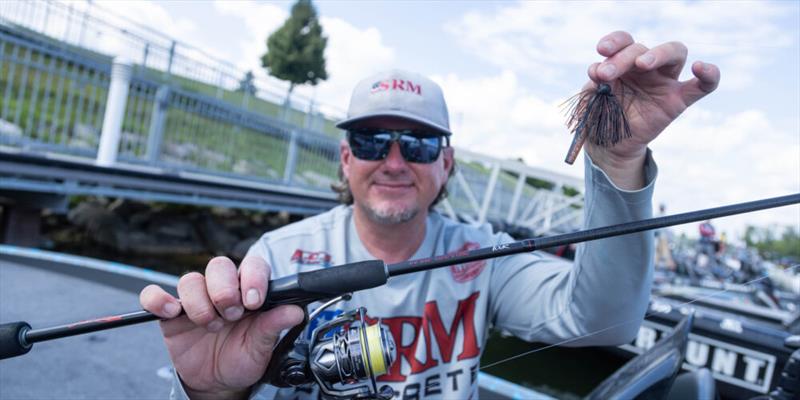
[(374, 144)]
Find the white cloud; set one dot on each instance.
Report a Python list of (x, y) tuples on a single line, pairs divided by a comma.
[(541, 38), (103, 26), (134, 17), (706, 159), (496, 115), (351, 53), (710, 159), (260, 20)]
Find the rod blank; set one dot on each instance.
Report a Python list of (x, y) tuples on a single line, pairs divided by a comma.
[(17, 338)]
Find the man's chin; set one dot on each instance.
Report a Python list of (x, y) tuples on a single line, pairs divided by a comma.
[(391, 215)]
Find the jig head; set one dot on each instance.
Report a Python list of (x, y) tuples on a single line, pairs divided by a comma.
[(598, 115)]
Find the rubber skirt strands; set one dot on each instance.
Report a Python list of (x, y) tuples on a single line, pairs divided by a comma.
[(598, 115)]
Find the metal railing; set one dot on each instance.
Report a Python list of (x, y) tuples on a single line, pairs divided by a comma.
[(54, 98), (92, 26)]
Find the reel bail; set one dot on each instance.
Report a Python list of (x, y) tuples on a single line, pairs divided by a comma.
[(344, 356), (347, 351)]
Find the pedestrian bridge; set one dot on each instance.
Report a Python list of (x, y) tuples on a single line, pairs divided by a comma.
[(77, 121)]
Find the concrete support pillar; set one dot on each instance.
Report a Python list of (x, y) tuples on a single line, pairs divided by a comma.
[(115, 112), (21, 226), (21, 221)]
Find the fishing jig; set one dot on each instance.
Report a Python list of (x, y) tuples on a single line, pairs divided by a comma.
[(598, 115)]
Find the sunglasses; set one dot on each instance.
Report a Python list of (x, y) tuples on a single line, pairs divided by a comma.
[(417, 146)]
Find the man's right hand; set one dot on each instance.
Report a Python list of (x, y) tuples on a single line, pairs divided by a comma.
[(217, 351)]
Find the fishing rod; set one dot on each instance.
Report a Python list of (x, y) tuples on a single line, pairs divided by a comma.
[(346, 350)]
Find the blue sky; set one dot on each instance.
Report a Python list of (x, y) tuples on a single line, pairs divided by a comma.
[(505, 67)]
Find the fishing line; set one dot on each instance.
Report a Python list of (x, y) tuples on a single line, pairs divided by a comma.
[(514, 357)]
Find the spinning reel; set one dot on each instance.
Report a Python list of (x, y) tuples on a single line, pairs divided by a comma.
[(344, 356)]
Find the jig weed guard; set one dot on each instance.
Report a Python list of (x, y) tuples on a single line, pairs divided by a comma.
[(597, 115)]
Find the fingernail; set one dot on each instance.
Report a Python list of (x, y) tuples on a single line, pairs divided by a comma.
[(233, 313), (647, 58), (252, 297), (706, 67), (606, 45), (171, 309), (215, 325), (607, 69)]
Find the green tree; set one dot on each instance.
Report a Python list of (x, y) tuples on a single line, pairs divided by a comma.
[(773, 246), (295, 52)]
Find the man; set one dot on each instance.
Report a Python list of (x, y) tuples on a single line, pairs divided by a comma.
[(395, 162), (664, 239)]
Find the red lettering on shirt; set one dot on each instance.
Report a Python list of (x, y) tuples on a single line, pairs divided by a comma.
[(465, 314), (431, 327), (304, 257)]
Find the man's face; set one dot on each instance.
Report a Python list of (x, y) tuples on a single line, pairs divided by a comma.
[(393, 190)]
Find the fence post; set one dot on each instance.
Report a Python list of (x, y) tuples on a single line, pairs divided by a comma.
[(114, 113), (156, 133), (169, 61), (291, 158)]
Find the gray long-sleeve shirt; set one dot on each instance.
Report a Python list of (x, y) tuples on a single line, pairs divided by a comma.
[(440, 319)]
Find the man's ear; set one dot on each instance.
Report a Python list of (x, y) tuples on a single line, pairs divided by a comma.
[(345, 157), (448, 157)]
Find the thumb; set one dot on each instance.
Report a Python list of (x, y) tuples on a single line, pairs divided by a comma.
[(268, 326)]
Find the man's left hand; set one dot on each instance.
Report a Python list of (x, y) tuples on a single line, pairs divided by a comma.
[(658, 98)]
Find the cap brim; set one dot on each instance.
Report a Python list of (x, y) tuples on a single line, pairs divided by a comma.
[(347, 123)]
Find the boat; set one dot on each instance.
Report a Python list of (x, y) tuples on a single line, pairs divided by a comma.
[(44, 288)]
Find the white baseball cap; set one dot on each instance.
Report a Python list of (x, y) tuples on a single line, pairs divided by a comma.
[(401, 94)]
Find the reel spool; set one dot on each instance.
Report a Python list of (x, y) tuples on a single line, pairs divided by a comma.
[(347, 351), (344, 357)]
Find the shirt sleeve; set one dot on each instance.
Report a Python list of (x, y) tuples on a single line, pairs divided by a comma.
[(601, 298), (259, 391)]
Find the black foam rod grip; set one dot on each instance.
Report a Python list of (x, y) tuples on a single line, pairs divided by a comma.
[(12, 339), (311, 286)]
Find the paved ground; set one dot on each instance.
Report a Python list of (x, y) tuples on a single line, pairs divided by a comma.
[(119, 364)]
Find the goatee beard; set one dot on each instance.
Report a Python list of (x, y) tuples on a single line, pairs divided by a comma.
[(389, 217)]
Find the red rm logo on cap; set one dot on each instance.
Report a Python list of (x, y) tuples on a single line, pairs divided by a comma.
[(396, 84)]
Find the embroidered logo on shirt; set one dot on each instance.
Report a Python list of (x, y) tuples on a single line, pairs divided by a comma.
[(468, 271), (303, 257)]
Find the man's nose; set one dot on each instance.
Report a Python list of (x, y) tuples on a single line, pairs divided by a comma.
[(394, 160)]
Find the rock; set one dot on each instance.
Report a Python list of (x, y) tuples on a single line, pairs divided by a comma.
[(127, 208), (85, 132), (141, 219), (172, 227), (9, 129), (180, 151), (171, 238), (141, 243), (132, 140), (241, 248), (217, 240), (103, 226)]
